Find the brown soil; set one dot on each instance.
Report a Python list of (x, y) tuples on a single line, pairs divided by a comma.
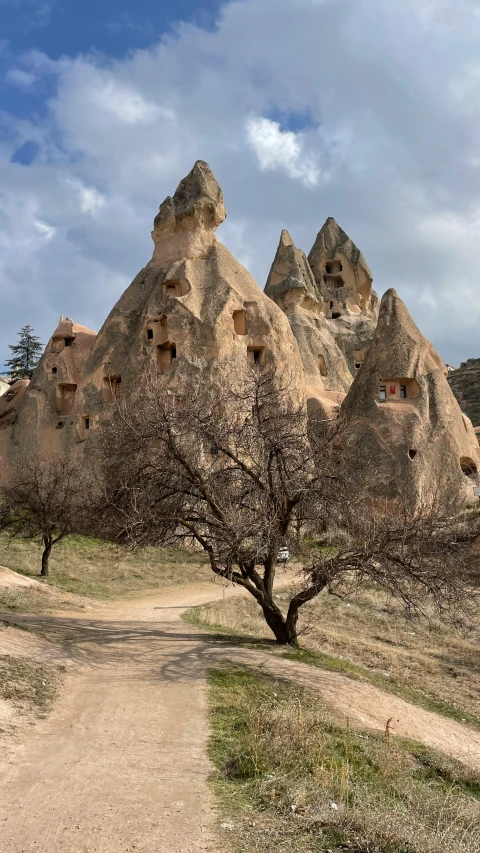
[(120, 766)]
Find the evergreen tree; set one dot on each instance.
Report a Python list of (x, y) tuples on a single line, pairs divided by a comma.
[(26, 354)]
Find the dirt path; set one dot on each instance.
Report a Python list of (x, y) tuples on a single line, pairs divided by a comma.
[(120, 766)]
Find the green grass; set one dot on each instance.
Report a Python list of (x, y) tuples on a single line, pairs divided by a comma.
[(225, 634), (99, 570), (29, 684), (388, 685), (289, 777)]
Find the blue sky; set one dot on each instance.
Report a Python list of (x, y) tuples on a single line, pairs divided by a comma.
[(359, 109)]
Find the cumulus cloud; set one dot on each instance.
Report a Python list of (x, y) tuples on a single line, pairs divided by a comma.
[(277, 149), (390, 149)]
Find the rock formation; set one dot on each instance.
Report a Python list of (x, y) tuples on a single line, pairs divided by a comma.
[(192, 312), (292, 286), (465, 384), (407, 436), (345, 282)]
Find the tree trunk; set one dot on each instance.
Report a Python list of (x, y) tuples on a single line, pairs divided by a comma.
[(285, 633), (45, 558)]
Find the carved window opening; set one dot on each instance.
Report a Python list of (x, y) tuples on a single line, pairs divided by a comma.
[(359, 356), (469, 467), (66, 397), (150, 334), (175, 287), (239, 322), (60, 425), (256, 355), (401, 388), (333, 267), (322, 366), (383, 393), (166, 357), (86, 422), (412, 454), (336, 315), (112, 388), (69, 342), (54, 369)]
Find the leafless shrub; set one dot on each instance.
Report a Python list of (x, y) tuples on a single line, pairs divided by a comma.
[(240, 474), (46, 498)]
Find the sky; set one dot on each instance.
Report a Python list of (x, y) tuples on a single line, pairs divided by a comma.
[(364, 110)]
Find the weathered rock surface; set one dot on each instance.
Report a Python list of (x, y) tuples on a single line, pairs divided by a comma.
[(465, 384), (49, 404), (345, 282), (407, 436), (192, 312), (291, 284)]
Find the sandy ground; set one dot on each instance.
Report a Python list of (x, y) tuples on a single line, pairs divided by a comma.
[(121, 765)]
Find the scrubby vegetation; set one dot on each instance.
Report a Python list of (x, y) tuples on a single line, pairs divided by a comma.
[(290, 777), (428, 663), (30, 685), (95, 569)]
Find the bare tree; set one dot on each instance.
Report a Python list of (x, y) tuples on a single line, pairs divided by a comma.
[(45, 500), (240, 474)]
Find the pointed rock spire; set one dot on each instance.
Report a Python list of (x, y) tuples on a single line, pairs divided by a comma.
[(290, 276), (185, 223), (292, 286), (408, 437), (341, 271)]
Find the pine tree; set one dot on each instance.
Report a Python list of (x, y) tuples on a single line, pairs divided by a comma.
[(26, 354)]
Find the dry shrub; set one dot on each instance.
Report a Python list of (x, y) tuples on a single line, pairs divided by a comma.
[(308, 778)]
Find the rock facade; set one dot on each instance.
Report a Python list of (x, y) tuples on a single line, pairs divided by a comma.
[(193, 312), (407, 437), (465, 384)]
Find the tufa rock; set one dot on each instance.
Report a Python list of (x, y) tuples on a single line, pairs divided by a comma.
[(407, 437), (291, 284), (192, 312), (345, 281), (185, 224)]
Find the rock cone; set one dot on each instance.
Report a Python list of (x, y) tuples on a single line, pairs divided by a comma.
[(292, 286), (407, 436)]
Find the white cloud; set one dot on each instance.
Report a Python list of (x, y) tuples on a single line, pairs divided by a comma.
[(47, 231), (90, 199), (126, 105), (21, 78), (281, 149)]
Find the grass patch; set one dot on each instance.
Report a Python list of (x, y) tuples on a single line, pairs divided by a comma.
[(429, 665), (99, 570), (289, 777), (32, 686)]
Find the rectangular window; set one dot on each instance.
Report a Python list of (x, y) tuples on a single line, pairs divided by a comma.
[(150, 334), (403, 392), (87, 423), (383, 392), (69, 342)]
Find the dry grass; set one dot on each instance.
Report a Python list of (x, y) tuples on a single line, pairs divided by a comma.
[(30, 686), (430, 664), (289, 777), (80, 566)]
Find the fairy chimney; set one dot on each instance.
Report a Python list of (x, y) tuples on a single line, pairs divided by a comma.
[(291, 284), (407, 437)]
